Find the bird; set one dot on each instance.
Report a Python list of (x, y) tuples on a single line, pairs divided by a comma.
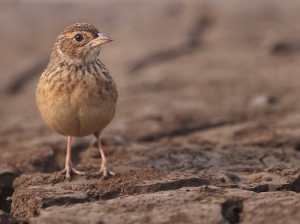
[(76, 95)]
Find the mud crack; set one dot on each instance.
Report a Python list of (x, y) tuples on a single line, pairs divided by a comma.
[(192, 43), (24, 77), (231, 210)]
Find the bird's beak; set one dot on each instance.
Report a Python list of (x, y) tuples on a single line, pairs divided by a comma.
[(101, 39)]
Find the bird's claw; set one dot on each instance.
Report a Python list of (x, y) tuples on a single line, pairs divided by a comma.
[(69, 170), (105, 172)]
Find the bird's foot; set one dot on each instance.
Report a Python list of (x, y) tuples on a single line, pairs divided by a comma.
[(104, 171), (69, 169)]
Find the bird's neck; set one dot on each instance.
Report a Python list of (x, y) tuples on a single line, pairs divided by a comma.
[(87, 57)]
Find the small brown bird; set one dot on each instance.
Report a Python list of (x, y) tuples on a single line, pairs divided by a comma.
[(76, 95)]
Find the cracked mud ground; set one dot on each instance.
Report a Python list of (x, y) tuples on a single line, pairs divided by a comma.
[(207, 128)]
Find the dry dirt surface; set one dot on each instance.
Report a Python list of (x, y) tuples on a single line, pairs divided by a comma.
[(207, 128)]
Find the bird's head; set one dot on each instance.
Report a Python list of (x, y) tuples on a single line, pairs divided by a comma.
[(80, 42)]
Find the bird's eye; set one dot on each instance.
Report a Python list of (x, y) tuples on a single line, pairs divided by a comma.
[(78, 37)]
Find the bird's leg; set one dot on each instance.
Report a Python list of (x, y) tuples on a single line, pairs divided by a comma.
[(104, 168), (69, 166)]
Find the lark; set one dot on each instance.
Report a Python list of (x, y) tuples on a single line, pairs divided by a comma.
[(76, 95)]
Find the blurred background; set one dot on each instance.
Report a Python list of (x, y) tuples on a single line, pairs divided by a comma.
[(220, 74)]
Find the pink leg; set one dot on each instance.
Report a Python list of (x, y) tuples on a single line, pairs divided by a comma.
[(104, 168), (69, 166)]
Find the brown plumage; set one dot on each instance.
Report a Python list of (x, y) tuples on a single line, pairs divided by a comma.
[(76, 95)]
